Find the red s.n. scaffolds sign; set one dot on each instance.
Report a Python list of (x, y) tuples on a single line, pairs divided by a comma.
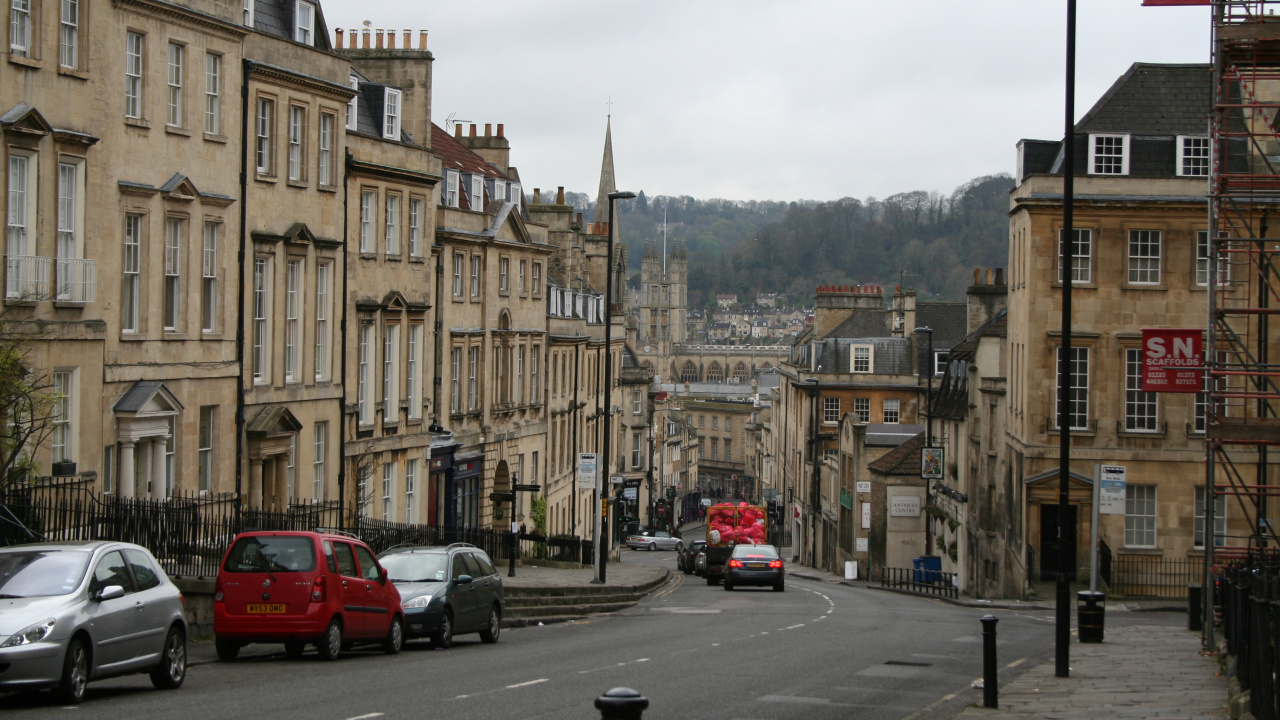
[(1173, 360)]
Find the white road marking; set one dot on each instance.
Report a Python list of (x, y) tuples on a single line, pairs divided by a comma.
[(793, 627), (509, 687), (831, 611), (820, 617), (642, 660), (365, 717), (461, 697), (1016, 663), (764, 632)]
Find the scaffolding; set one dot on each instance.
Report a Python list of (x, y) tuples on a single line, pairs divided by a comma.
[(1240, 265)]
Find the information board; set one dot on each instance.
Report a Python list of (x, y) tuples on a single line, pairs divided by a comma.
[(1111, 490), (587, 471)]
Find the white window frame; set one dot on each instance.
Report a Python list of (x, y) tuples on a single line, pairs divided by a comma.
[(69, 34), (410, 490), (391, 113), (1141, 511), (62, 415), (261, 320), (413, 370), (20, 28), (204, 448), (450, 196), (297, 138), (518, 380), (1109, 153), (324, 148), (417, 207), (1143, 266), (318, 449), (521, 277), (459, 261), (1193, 156), (176, 94), (324, 290), (134, 51), (862, 409), (209, 279), (830, 411), (291, 469), (476, 199), (388, 491), (391, 373), (174, 234), (248, 13), (862, 359), (534, 396), (1141, 409), (891, 411), (1079, 388), (537, 279), (69, 248), (941, 358), (504, 275), (392, 224), (212, 93), (263, 148), (131, 271), (475, 277), (473, 369), (304, 14), (367, 198), (637, 454), (353, 106), (364, 403), (293, 320), (1082, 256), (455, 401), (1203, 252)]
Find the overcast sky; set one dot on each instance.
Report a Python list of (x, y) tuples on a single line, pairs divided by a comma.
[(775, 100)]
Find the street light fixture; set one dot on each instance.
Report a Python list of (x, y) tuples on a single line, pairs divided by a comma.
[(603, 540), (928, 435)]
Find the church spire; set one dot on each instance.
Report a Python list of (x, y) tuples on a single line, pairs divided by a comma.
[(606, 176)]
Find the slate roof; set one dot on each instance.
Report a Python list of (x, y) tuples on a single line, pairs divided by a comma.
[(275, 17), (862, 325), (902, 460), (889, 356), (948, 322), (1152, 102), (456, 156), (951, 400), (890, 435)]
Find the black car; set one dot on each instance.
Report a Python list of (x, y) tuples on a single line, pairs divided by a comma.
[(755, 565), (446, 591), (686, 557)]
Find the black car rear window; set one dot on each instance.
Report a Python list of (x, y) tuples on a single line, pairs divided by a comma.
[(760, 551), (272, 553)]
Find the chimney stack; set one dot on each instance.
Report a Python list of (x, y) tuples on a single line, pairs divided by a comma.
[(537, 196), (985, 299), (560, 201)]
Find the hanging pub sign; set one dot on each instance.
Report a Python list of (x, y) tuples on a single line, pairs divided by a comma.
[(931, 463), (1173, 360)]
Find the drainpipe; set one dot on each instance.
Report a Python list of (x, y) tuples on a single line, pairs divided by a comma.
[(342, 364), (245, 66), (573, 498)]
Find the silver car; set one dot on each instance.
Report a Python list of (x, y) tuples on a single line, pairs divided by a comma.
[(655, 541), (75, 611)]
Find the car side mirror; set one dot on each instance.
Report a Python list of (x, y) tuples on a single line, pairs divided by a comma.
[(382, 575), (463, 580), (110, 592)]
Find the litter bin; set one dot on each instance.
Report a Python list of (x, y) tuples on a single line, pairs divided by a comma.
[(1195, 606), (1091, 609), (928, 568)]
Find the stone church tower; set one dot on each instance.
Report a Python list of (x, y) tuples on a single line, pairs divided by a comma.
[(663, 297)]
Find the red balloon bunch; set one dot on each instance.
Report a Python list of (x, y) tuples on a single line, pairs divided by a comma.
[(741, 524)]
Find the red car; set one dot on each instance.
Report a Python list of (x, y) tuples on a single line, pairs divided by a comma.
[(324, 588)]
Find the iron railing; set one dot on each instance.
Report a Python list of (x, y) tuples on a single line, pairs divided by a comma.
[(1248, 597), (918, 580), (1137, 576), (188, 534)]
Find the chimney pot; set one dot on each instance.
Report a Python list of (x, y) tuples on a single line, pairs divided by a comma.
[(473, 129), (457, 130), (999, 276), (377, 40), (988, 276), (977, 276), (353, 38), (337, 38), (487, 128), (500, 131), (537, 196), (364, 36), (391, 39), (408, 39), (560, 200)]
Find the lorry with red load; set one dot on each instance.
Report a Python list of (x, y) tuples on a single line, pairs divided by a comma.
[(728, 526)]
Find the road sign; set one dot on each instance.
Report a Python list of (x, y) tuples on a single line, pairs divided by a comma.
[(587, 476), (502, 497), (526, 488), (1173, 360), (1112, 490)]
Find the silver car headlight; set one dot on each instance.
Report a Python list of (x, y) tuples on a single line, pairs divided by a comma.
[(420, 601), (31, 634)]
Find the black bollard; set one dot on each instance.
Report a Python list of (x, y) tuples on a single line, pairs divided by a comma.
[(514, 551), (621, 703), (990, 684)]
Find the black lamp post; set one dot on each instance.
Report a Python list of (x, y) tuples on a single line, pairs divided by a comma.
[(608, 381), (815, 495), (928, 434)]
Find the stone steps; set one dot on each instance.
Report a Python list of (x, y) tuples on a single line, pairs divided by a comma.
[(527, 606)]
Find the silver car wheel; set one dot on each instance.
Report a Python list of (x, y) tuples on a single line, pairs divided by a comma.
[(75, 673)]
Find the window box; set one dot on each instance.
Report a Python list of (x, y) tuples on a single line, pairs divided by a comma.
[(66, 468)]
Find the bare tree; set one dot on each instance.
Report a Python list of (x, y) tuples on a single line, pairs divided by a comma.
[(29, 406), (365, 466)]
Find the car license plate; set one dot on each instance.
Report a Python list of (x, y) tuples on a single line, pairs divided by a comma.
[(266, 609), (757, 565)]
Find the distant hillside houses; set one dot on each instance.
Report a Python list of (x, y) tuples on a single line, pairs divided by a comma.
[(726, 300)]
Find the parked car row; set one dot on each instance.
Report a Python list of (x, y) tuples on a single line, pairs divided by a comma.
[(80, 611)]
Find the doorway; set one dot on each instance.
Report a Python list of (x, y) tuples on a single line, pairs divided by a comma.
[(1049, 552)]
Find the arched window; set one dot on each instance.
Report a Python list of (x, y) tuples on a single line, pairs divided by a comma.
[(715, 373), (741, 372), (690, 372)]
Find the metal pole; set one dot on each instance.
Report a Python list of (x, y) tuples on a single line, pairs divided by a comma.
[(608, 382), (1093, 534), (515, 542), (814, 496), (990, 683), (1063, 623)]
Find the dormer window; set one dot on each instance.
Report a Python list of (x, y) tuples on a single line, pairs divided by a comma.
[(248, 13), (450, 189), (1193, 156), (476, 198), (304, 14), (497, 190), (1108, 154), (391, 114), (353, 107), (514, 193), (861, 359)]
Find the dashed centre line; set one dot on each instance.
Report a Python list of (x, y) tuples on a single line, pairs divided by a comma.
[(528, 683)]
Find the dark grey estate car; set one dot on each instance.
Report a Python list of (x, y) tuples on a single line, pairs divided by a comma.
[(71, 612), (446, 591)]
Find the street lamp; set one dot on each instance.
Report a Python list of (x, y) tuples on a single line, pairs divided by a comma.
[(928, 435), (608, 376), (815, 496)]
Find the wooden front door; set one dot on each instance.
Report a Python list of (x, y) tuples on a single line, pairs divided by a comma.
[(1049, 553)]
